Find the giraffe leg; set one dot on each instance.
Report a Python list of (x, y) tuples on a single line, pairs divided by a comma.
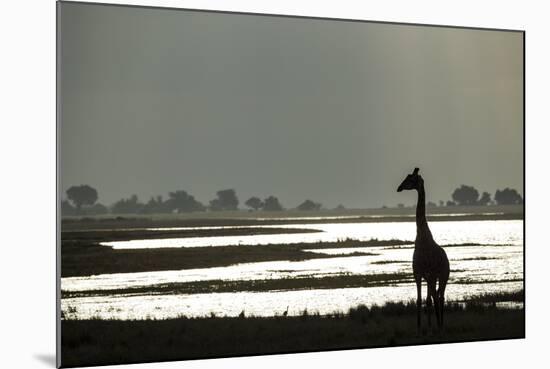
[(418, 280), (429, 306), (441, 297), (433, 293)]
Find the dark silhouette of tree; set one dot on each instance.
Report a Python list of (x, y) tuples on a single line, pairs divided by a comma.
[(400, 205), (67, 209), (508, 196), (272, 204), (128, 206), (465, 195), (182, 202), (431, 204), (82, 195), (485, 199), (309, 205), (226, 200), (156, 205), (342, 207), (441, 203), (96, 209), (450, 203), (254, 203)]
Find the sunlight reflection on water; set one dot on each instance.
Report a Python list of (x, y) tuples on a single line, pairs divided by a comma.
[(323, 301), (445, 232), (497, 266), (505, 263)]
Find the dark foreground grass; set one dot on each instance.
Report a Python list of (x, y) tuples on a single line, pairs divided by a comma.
[(102, 342)]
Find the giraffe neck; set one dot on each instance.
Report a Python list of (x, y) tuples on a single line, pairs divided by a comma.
[(422, 229)]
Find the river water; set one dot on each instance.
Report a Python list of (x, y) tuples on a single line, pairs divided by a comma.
[(494, 266)]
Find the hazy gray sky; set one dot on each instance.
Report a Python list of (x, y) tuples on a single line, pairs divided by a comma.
[(157, 100)]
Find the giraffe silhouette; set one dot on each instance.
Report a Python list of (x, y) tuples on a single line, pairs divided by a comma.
[(429, 259)]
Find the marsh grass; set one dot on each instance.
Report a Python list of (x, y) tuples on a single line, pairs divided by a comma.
[(144, 234), (100, 342), (82, 258), (383, 262), (259, 285)]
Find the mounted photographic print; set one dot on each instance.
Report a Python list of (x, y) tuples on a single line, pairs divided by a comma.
[(236, 184)]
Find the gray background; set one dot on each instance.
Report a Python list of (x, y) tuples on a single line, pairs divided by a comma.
[(156, 100)]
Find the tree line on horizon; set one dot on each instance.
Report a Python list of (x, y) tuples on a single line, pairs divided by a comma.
[(83, 200), (469, 196)]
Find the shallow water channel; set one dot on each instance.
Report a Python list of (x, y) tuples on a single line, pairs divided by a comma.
[(495, 266)]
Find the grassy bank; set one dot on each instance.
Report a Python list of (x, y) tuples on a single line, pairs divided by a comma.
[(83, 258), (80, 258), (247, 218), (257, 285), (101, 342), (105, 235), (264, 285)]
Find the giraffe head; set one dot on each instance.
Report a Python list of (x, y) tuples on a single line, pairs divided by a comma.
[(411, 182)]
